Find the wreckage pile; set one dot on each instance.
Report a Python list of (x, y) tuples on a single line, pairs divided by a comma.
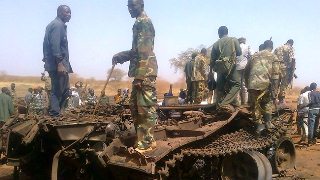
[(198, 144)]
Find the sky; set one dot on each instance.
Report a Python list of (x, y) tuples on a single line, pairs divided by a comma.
[(100, 28)]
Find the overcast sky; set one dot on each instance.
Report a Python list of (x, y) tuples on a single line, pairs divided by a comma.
[(100, 28)]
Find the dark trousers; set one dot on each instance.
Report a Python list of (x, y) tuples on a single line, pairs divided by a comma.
[(59, 92)]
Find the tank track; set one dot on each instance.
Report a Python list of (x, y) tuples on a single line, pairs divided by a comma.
[(229, 144)]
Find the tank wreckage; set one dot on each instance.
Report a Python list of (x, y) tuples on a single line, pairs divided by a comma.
[(193, 142)]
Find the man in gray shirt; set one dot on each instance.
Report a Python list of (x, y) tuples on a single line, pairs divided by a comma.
[(56, 59)]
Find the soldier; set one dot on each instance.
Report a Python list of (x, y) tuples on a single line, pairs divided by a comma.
[(264, 70), (56, 58), (13, 93), (144, 69), (6, 105), (199, 76), (223, 57), (285, 54), (91, 97), (47, 84), (188, 72), (104, 100), (37, 103), (28, 96)]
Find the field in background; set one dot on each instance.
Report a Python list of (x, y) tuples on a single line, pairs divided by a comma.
[(25, 82)]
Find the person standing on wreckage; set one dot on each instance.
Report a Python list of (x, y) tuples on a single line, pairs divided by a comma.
[(262, 76), (143, 68)]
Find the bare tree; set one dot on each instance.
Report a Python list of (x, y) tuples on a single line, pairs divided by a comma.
[(117, 74), (179, 62)]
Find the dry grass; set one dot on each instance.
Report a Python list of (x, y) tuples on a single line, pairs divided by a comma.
[(25, 82)]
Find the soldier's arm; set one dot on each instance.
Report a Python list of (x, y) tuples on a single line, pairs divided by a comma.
[(214, 56), (55, 39), (145, 40)]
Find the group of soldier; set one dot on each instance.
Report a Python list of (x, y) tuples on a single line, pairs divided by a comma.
[(259, 80), (262, 74)]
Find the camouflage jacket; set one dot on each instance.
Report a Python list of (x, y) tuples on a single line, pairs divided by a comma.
[(285, 54), (199, 68), (91, 99), (37, 102), (47, 82), (142, 44), (264, 68)]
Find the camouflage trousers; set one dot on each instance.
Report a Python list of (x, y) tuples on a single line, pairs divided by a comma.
[(143, 110), (199, 88), (284, 84), (261, 105)]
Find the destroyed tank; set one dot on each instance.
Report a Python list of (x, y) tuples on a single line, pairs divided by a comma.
[(193, 142)]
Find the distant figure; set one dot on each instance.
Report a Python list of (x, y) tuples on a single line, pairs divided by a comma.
[(188, 70), (104, 100), (91, 97), (74, 100), (314, 112), (262, 82), (6, 105), (198, 78), (118, 97), (240, 66), (28, 96), (13, 93), (37, 103), (223, 57), (303, 109), (56, 59), (182, 96), (285, 54), (47, 84)]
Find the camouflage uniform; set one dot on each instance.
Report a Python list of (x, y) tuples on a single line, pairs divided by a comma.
[(285, 54), (104, 100), (37, 104), (47, 85), (198, 78), (91, 99), (263, 74), (143, 67)]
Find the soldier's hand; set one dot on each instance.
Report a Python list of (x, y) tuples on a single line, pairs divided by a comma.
[(137, 83), (61, 69)]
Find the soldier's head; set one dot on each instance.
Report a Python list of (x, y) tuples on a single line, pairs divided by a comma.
[(203, 51), (290, 42), (222, 31), (6, 91), (30, 90), (313, 86), (64, 13), (242, 40), (119, 91), (91, 91), (261, 47), (13, 86), (135, 7), (193, 55), (268, 45)]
